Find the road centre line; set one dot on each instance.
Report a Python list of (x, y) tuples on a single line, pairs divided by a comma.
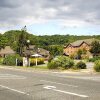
[(61, 91), (58, 83), (13, 90)]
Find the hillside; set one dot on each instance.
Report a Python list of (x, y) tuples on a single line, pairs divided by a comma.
[(45, 40)]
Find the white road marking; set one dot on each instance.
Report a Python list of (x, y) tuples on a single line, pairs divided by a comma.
[(13, 90), (71, 93), (11, 76), (59, 83)]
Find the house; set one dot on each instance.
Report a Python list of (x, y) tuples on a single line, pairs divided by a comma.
[(32, 49), (72, 48), (6, 51)]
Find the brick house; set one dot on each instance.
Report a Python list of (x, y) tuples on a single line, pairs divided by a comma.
[(72, 48)]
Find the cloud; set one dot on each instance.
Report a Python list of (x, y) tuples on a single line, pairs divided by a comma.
[(2, 31), (70, 13)]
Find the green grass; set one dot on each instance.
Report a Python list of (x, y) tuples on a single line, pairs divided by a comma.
[(32, 67), (39, 67)]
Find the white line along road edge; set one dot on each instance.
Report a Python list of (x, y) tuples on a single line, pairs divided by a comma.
[(13, 90), (71, 93)]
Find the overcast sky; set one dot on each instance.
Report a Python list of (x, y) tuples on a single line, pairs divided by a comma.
[(46, 17)]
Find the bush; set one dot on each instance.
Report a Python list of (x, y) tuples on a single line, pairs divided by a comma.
[(61, 62), (94, 59), (1, 60), (52, 65), (19, 61), (39, 61), (72, 56), (97, 66), (80, 65), (11, 60)]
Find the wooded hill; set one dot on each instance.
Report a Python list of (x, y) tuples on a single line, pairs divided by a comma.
[(47, 41)]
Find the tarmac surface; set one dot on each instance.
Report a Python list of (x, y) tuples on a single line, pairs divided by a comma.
[(41, 85)]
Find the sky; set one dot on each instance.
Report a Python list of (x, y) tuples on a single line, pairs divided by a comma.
[(48, 17)]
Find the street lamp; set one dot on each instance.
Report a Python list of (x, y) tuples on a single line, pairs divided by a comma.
[(28, 41)]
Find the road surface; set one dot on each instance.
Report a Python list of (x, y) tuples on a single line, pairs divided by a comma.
[(38, 85)]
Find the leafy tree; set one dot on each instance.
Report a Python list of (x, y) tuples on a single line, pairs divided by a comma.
[(22, 42), (55, 50), (84, 51), (13, 37), (79, 53), (3, 41), (95, 49)]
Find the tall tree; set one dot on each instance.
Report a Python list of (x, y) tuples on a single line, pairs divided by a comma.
[(3, 41), (95, 49), (22, 41), (55, 50)]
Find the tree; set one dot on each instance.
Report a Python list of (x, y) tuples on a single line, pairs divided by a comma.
[(12, 36), (22, 41), (95, 48), (55, 50), (79, 53), (3, 41)]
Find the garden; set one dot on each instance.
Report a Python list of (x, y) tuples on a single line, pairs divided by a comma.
[(57, 63)]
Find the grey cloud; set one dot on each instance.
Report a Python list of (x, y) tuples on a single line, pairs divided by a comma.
[(11, 3), (16, 11)]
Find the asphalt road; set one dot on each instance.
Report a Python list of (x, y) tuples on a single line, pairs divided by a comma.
[(37, 85)]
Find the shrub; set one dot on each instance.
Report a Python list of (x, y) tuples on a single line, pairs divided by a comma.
[(94, 59), (72, 56), (11, 60), (50, 58), (1, 60), (19, 61), (97, 66), (61, 62), (52, 65), (80, 65)]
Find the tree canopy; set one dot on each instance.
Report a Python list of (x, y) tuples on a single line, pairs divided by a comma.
[(53, 43), (3, 41), (95, 49)]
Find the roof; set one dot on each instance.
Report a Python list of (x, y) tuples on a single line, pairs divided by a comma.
[(33, 50), (43, 51), (7, 50), (79, 42)]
